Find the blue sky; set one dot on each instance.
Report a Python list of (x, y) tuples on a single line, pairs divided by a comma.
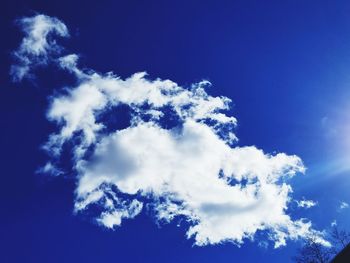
[(284, 66)]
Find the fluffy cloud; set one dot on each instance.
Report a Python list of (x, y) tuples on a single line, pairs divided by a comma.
[(38, 45), (176, 158)]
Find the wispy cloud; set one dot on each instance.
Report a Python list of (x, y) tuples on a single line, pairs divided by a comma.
[(37, 45), (334, 223), (191, 170), (343, 205), (306, 203)]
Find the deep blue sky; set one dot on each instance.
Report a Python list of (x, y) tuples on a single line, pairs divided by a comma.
[(285, 65)]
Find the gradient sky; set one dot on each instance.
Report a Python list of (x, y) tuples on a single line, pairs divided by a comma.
[(284, 64)]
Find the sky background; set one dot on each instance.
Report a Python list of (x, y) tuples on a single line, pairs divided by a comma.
[(284, 64)]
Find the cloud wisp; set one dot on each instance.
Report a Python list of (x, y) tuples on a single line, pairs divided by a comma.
[(176, 157), (306, 203), (343, 205), (38, 44)]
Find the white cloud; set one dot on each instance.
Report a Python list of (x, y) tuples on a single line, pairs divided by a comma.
[(37, 45), (192, 170), (114, 216), (343, 205), (334, 223), (306, 203), (226, 193)]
